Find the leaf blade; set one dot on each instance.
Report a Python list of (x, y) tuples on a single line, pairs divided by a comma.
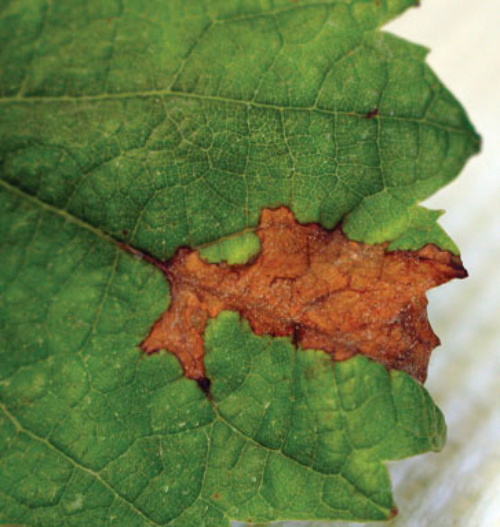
[(166, 124)]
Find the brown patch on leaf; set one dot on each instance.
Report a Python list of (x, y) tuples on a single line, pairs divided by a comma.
[(319, 288)]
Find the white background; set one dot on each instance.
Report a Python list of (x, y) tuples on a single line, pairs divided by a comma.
[(460, 487)]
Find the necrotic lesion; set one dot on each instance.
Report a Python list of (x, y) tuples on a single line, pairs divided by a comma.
[(316, 286)]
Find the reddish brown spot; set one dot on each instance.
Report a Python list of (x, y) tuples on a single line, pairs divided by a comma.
[(315, 286), (371, 114)]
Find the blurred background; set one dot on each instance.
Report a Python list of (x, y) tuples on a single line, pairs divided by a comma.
[(460, 487)]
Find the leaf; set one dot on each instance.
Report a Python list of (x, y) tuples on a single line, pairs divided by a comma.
[(168, 124)]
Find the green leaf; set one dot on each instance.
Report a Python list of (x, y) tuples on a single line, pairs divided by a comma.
[(166, 124), (178, 121), (233, 250)]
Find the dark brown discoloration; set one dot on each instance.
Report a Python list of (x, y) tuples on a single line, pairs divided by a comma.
[(316, 287), (371, 114), (204, 384)]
